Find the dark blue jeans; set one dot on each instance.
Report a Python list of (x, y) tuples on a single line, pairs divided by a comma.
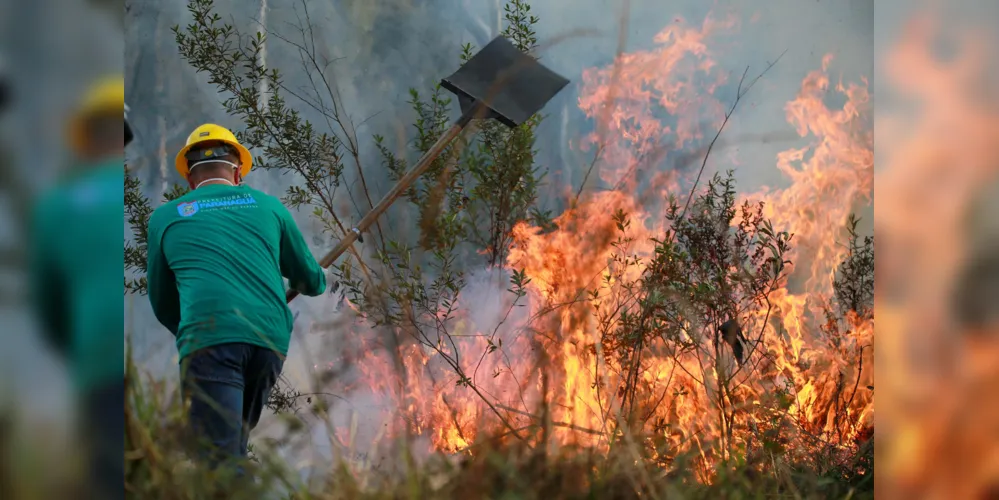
[(103, 426), (228, 385)]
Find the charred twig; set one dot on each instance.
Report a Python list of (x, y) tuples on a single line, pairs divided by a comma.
[(860, 372), (307, 49), (557, 424), (495, 330), (740, 92)]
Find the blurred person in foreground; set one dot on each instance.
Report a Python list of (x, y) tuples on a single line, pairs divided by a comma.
[(216, 260), (75, 266)]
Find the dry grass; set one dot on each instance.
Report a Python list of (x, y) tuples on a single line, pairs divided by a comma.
[(157, 468)]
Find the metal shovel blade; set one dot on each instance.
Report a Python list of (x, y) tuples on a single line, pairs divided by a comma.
[(512, 85)]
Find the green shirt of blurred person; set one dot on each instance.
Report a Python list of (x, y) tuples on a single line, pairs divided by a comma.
[(76, 260), (76, 251), (216, 258)]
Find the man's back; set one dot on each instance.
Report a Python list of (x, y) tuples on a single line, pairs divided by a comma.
[(226, 249), (75, 263)]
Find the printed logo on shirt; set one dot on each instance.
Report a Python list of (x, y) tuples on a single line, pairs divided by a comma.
[(218, 203), (187, 209), (227, 202)]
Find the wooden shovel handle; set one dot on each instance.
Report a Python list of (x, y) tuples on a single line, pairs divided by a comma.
[(404, 183)]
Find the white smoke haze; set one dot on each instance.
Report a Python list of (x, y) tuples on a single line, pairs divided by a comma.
[(384, 48), (336, 362)]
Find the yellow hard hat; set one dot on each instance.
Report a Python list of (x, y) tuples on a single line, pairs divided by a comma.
[(107, 96), (213, 132)]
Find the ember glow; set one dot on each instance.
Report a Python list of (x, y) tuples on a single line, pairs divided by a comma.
[(546, 360)]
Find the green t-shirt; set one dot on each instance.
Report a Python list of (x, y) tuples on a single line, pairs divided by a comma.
[(76, 258), (216, 258)]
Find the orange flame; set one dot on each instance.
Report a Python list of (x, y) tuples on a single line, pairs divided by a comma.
[(940, 380)]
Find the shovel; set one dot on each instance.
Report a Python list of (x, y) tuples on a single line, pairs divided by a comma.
[(499, 82)]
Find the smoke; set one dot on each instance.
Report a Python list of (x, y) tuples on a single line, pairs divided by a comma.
[(347, 364)]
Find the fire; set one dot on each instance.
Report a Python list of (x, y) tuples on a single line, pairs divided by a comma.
[(939, 378), (830, 178), (827, 186), (547, 363), (628, 97)]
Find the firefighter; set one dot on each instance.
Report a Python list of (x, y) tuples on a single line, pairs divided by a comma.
[(75, 265), (216, 257)]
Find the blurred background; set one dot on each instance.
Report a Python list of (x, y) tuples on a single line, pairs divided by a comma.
[(52, 54), (930, 66), (936, 220)]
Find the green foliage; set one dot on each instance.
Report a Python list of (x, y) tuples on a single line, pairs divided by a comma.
[(137, 212), (502, 166), (704, 271), (438, 197), (471, 196), (854, 285), (288, 142)]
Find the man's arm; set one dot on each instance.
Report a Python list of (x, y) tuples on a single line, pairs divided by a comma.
[(48, 296), (297, 263), (162, 284)]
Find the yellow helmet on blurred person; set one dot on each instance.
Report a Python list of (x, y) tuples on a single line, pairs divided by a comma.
[(212, 132), (105, 97)]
